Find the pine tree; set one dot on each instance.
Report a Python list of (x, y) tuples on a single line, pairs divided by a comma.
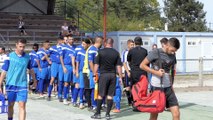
[(185, 15)]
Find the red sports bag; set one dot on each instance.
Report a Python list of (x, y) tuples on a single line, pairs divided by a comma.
[(153, 102)]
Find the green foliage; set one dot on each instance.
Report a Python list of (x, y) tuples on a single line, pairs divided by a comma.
[(185, 15), (123, 15)]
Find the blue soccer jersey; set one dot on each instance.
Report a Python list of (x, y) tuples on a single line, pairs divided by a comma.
[(54, 52), (92, 54), (16, 67), (33, 58), (77, 49), (80, 59), (41, 53), (67, 53)]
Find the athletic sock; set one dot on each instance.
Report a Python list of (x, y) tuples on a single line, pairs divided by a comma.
[(65, 92), (50, 90), (10, 118), (81, 94), (99, 103), (60, 89), (109, 106)]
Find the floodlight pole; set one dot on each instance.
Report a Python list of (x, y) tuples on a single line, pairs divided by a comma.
[(105, 21)]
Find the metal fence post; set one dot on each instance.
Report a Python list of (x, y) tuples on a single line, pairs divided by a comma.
[(201, 72)]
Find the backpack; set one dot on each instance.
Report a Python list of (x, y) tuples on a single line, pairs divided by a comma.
[(153, 102)]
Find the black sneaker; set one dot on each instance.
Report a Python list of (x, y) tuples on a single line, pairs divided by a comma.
[(60, 100), (96, 116), (48, 98), (108, 117)]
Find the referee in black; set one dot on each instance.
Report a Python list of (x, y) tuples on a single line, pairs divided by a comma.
[(107, 60), (135, 56)]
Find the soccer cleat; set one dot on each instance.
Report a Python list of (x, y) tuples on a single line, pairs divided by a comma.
[(116, 111), (96, 116), (65, 102), (81, 106), (107, 117), (60, 100), (48, 98)]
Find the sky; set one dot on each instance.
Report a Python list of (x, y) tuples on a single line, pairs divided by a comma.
[(207, 7)]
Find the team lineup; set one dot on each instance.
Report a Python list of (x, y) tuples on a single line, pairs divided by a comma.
[(90, 75)]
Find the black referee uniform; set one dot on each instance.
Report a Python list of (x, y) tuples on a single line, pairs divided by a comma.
[(107, 60)]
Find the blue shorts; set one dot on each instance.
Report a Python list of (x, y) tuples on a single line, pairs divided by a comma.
[(80, 80), (17, 96), (69, 74), (54, 69), (117, 97), (49, 73), (43, 74), (91, 80)]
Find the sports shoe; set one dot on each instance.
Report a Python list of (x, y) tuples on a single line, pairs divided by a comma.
[(65, 102), (116, 110), (96, 116), (107, 117), (81, 106), (48, 98), (60, 100), (74, 105)]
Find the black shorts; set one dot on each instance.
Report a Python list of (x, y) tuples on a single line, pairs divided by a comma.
[(171, 99), (107, 84), (86, 81)]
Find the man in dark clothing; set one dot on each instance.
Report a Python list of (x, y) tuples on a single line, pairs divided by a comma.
[(107, 60), (135, 57)]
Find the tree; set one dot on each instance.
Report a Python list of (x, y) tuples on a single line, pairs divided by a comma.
[(185, 15)]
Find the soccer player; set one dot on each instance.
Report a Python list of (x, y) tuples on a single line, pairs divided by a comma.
[(35, 62), (67, 63), (55, 58), (15, 67), (130, 45), (88, 70), (79, 83), (44, 62)]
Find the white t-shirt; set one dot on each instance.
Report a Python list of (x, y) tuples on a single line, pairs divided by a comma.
[(65, 28)]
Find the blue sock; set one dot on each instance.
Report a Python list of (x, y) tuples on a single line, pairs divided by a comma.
[(81, 95), (117, 105), (68, 90), (75, 95), (60, 89), (50, 90), (41, 85), (94, 104), (65, 92), (10, 118)]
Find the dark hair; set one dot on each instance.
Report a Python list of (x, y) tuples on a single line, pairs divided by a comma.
[(21, 40), (35, 45), (87, 41), (61, 37), (138, 41), (2, 48), (164, 40), (109, 41), (174, 42), (130, 41)]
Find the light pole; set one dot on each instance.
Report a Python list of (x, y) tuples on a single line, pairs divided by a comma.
[(105, 21)]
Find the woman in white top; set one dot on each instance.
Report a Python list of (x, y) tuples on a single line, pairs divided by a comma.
[(64, 29)]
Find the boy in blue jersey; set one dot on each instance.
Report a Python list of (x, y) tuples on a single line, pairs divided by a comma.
[(79, 83), (67, 63), (55, 58), (35, 62), (44, 62), (15, 67), (117, 97), (89, 71)]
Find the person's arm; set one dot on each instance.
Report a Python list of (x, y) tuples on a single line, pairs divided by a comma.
[(119, 70), (32, 73), (3, 75), (145, 66), (73, 64), (62, 63)]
